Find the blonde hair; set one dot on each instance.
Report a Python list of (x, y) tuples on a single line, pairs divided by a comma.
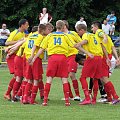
[(81, 26), (49, 25), (60, 25), (41, 28)]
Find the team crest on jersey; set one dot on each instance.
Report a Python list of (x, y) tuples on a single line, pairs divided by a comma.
[(95, 41)]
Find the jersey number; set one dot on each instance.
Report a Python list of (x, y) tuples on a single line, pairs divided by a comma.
[(57, 41), (31, 43)]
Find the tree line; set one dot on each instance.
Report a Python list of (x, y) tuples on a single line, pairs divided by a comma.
[(11, 11)]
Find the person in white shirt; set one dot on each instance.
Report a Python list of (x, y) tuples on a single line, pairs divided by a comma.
[(44, 17), (81, 21), (106, 27), (4, 33), (112, 29)]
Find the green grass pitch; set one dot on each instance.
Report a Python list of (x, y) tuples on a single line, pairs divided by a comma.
[(56, 110)]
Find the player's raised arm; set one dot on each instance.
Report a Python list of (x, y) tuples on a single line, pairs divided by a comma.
[(43, 46), (15, 47), (106, 55), (105, 39), (32, 54), (80, 48)]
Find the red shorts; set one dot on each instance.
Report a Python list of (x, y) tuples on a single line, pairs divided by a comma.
[(92, 67), (105, 66), (18, 66), (24, 66), (72, 65), (57, 66), (10, 63), (35, 71)]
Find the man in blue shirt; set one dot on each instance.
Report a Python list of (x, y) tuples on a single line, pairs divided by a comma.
[(111, 18)]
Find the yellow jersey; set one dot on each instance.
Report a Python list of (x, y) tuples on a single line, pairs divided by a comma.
[(108, 45), (57, 43), (99, 33), (19, 52), (37, 44), (74, 36), (30, 42), (15, 36), (94, 45), (85, 36)]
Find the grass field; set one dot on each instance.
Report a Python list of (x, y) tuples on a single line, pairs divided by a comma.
[(56, 109)]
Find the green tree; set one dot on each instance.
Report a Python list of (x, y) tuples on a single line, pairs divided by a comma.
[(11, 11)]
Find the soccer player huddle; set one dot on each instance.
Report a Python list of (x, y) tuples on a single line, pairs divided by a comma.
[(25, 54)]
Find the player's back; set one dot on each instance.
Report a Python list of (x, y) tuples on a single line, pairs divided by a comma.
[(94, 45), (16, 35), (29, 44), (76, 38), (57, 43)]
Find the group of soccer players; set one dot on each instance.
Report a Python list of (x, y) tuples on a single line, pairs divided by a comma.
[(25, 54)]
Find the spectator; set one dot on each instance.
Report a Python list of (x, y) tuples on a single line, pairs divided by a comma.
[(4, 33), (81, 21), (111, 18), (112, 29), (44, 17), (106, 27)]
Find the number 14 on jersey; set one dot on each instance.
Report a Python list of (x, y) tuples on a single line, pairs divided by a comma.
[(57, 41)]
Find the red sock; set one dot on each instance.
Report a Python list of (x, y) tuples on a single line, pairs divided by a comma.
[(10, 86), (113, 92), (30, 91), (23, 87), (16, 87), (66, 92), (34, 93), (70, 91), (108, 92), (41, 88), (85, 88), (26, 92), (95, 89), (19, 93), (76, 88), (46, 92)]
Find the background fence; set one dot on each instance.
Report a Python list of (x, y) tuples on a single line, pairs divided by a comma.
[(3, 54)]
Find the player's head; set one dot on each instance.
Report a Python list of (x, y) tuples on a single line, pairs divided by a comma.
[(49, 28), (60, 25), (41, 29), (66, 24), (23, 24), (34, 28), (80, 58), (95, 26), (81, 29)]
